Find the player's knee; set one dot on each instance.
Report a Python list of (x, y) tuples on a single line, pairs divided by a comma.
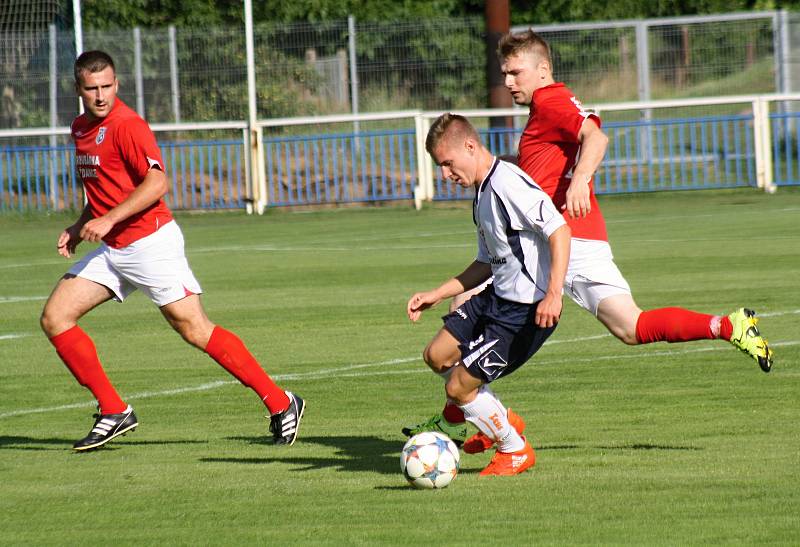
[(192, 334), (434, 359), (626, 336), (428, 355), (456, 391), (50, 322)]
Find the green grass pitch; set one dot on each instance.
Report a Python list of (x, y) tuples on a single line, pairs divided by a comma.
[(660, 444)]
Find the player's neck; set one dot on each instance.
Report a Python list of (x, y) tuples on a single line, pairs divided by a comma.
[(544, 82), (485, 163)]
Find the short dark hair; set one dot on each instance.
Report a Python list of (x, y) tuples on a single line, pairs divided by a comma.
[(93, 61), (449, 125), (524, 42)]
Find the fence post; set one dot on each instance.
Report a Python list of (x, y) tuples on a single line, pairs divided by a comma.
[(766, 141), (137, 63), (762, 142), (257, 168), (351, 45), (173, 75), (53, 117), (421, 189), (643, 76), (261, 173)]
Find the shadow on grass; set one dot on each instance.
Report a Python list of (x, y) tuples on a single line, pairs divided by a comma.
[(357, 454), (631, 446), (13, 442)]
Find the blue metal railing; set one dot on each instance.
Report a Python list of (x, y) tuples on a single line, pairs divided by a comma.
[(785, 148), (205, 174), (643, 156), (646, 156), (341, 168)]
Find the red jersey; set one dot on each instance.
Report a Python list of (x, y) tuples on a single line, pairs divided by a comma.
[(548, 149), (112, 157)]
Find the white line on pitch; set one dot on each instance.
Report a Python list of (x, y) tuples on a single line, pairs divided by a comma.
[(327, 373), (12, 299), (12, 336), (777, 313), (33, 264), (581, 339)]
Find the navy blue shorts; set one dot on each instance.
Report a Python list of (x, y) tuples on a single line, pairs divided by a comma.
[(496, 336)]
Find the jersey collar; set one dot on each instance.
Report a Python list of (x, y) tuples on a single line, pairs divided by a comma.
[(488, 176)]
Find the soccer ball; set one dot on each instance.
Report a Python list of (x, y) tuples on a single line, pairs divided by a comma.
[(429, 460)]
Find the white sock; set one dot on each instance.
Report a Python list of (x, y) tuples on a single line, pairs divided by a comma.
[(489, 415)]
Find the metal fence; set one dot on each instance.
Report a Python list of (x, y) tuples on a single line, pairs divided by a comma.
[(199, 75), (686, 144)]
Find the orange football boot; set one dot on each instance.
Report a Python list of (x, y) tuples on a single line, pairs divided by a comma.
[(511, 463), (479, 442)]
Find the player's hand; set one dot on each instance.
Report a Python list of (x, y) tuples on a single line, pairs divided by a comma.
[(68, 240), (548, 311), (577, 199), (420, 302), (95, 229)]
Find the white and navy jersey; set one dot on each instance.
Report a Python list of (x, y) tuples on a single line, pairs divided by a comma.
[(515, 219)]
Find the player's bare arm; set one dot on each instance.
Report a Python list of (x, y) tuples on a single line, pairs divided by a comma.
[(70, 238), (475, 274), (154, 186), (549, 310), (593, 147)]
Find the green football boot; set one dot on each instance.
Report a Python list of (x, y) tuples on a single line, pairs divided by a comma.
[(456, 432), (748, 339)]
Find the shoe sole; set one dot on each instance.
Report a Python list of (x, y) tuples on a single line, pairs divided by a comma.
[(524, 468), (530, 462), (101, 443)]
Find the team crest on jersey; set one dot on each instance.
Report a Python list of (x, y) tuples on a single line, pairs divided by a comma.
[(101, 134)]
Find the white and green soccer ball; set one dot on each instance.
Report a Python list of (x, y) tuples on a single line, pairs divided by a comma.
[(429, 460)]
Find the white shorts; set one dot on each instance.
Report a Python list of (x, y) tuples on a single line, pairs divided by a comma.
[(592, 275), (155, 264)]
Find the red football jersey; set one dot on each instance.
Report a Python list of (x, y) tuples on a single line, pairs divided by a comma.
[(112, 157), (548, 149)]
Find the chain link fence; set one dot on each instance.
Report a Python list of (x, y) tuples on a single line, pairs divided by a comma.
[(196, 75)]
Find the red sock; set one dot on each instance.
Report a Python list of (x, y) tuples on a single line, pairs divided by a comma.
[(229, 351), (78, 352), (675, 325), (453, 414), (725, 328)]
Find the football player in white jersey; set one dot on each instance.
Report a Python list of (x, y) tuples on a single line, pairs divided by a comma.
[(523, 242)]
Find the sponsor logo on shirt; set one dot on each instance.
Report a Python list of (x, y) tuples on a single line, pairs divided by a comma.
[(497, 260), (86, 165)]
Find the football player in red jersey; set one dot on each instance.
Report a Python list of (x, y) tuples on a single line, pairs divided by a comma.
[(141, 247), (561, 148)]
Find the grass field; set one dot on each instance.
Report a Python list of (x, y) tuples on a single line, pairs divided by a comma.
[(661, 444)]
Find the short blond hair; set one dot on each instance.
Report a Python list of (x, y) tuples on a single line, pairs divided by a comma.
[(449, 126), (524, 42)]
